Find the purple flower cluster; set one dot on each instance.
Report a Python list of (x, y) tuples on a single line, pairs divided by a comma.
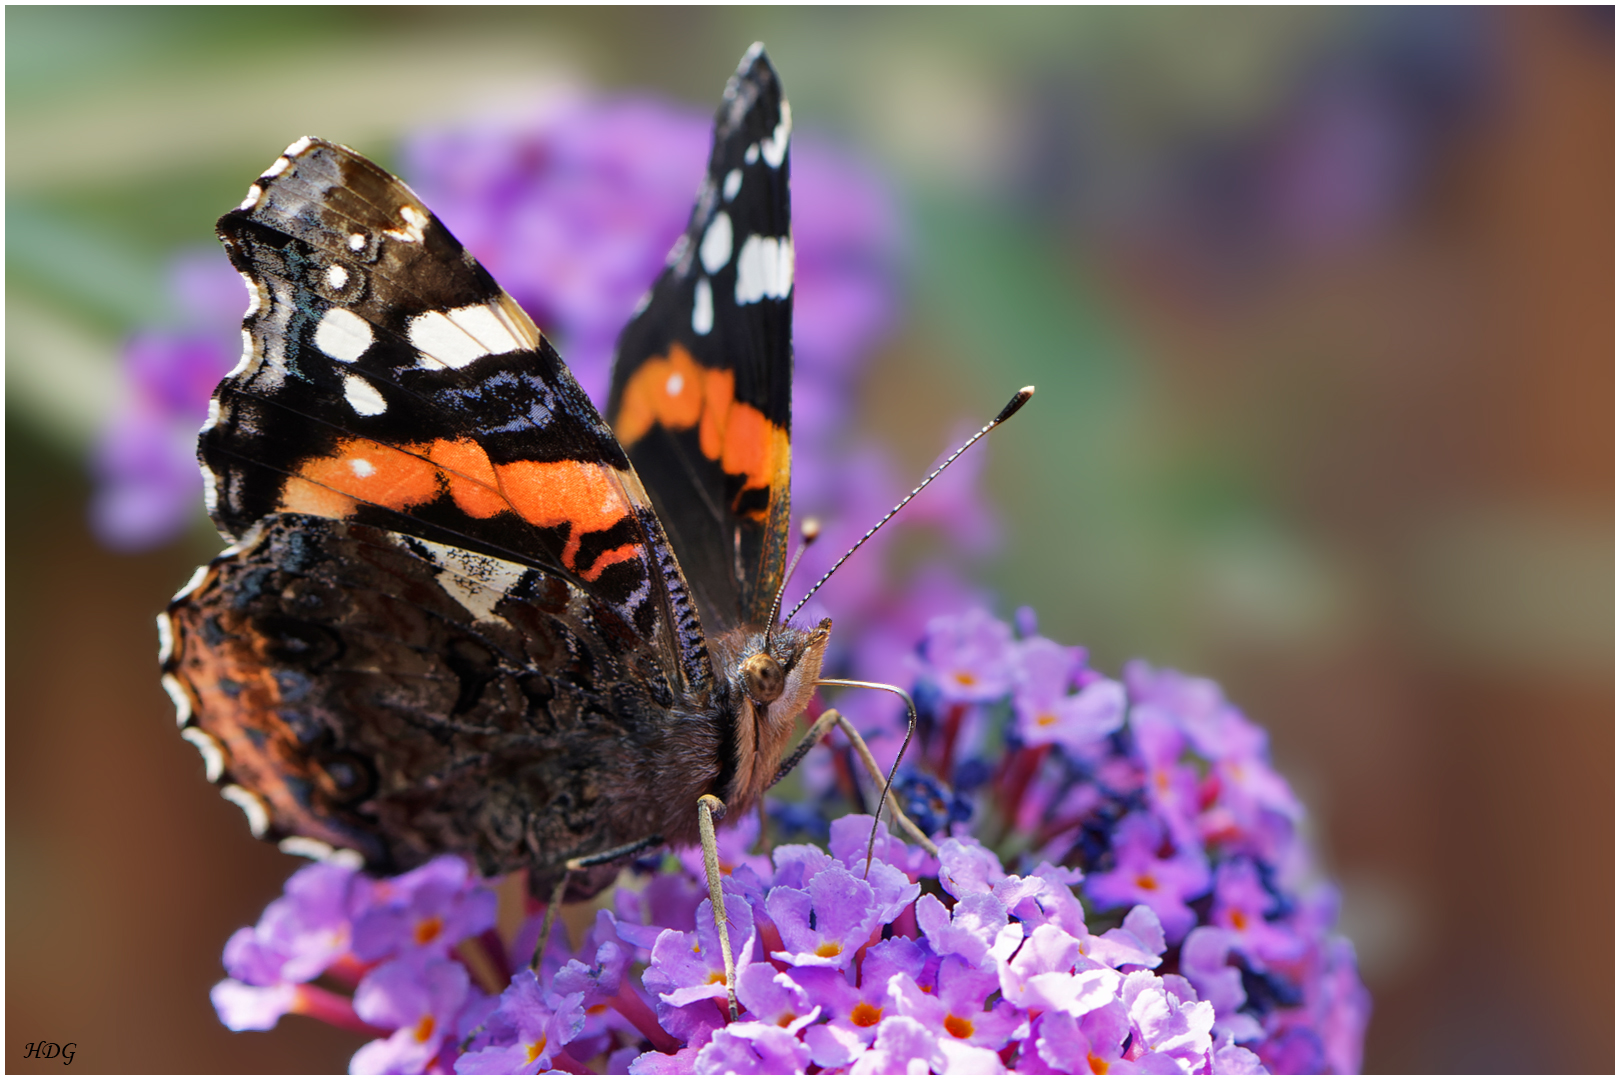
[(1207, 948), (399, 943), (1163, 794)]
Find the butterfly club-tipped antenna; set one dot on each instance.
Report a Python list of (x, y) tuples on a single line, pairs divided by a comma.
[(1018, 401)]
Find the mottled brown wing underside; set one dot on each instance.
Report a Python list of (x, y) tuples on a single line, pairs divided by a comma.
[(373, 692)]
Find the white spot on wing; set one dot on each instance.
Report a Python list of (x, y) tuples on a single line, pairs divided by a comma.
[(336, 277), (764, 268), (702, 308), (255, 193), (258, 814), (357, 241), (476, 582), (213, 754), (673, 384), (166, 635), (298, 147), (278, 167), (415, 223), (196, 580), (715, 250), (751, 155), (361, 467), (774, 149), (732, 185), (343, 335), (181, 699), (458, 337), (210, 490), (255, 297), (363, 397), (213, 416), (307, 847)]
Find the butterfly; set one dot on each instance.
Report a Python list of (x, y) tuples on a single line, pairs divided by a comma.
[(460, 610)]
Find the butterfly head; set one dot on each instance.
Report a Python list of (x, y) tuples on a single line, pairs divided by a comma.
[(771, 678)]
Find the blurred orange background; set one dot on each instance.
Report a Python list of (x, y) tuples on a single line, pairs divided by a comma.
[(1320, 304)]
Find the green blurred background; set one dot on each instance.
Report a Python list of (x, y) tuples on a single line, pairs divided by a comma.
[(1342, 440)]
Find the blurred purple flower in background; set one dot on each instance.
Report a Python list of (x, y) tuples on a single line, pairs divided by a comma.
[(144, 465)]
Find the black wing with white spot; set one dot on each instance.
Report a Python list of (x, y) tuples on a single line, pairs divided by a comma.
[(701, 395), (388, 380)]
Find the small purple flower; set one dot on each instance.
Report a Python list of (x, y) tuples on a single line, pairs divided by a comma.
[(1168, 1018), (688, 967), (773, 997), (976, 929), (525, 1031), (956, 1004), (1141, 875), (1049, 706), (1241, 904), (431, 907), (823, 924), (970, 657), (1204, 963), (750, 1047), (420, 999)]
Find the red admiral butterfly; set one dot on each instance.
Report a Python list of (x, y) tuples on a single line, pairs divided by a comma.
[(459, 611)]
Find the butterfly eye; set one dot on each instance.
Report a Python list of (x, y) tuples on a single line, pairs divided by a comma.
[(763, 677)]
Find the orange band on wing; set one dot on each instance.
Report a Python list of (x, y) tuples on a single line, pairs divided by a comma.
[(360, 471), (585, 496), (678, 393)]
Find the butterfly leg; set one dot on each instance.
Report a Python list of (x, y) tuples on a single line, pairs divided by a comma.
[(825, 723), (710, 810), (623, 851)]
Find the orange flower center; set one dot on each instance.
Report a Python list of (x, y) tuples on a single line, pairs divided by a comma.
[(424, 1029), (1046, 719), (965, 678), (864, 1015), (428, 929), (1147, 881), (828, 949), (537, 1048), (959, 1026), (1099, 1067)]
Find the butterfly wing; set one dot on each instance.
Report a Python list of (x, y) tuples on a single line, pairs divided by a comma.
[(702, 380), (388, 380), (450, 620), (357, 689)]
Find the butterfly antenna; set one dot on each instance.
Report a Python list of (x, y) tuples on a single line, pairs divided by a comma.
[(1012, 406), (809, 529)]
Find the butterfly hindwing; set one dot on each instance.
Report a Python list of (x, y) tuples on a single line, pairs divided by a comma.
[(388, 380), (370, 691), (702, 380)]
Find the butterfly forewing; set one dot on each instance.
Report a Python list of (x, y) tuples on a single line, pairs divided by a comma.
[(702, 380), (387, 379)]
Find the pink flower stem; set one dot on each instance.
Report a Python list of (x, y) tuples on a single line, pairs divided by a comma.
[(953, 727), (563, 1060), (628, 1004), (334, 1009), (1024, 766)]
